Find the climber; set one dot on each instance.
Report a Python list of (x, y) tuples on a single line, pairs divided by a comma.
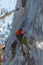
[(20, 36), (19, 33)]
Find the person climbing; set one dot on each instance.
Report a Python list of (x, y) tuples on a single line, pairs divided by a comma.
[(20, 33), (20, 36)]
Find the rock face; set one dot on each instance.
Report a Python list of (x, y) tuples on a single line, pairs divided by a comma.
[(28, 19)]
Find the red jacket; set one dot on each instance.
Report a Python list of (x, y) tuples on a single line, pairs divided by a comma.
[(19, 32)]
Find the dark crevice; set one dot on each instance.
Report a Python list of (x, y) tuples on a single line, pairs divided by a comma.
[(23, 3)]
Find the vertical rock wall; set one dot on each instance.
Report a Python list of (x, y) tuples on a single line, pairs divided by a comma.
[(24, 18)]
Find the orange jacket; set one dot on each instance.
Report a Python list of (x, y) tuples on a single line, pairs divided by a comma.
[(18, 32)]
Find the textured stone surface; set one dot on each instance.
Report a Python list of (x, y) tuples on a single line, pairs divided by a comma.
[(32, 15)]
